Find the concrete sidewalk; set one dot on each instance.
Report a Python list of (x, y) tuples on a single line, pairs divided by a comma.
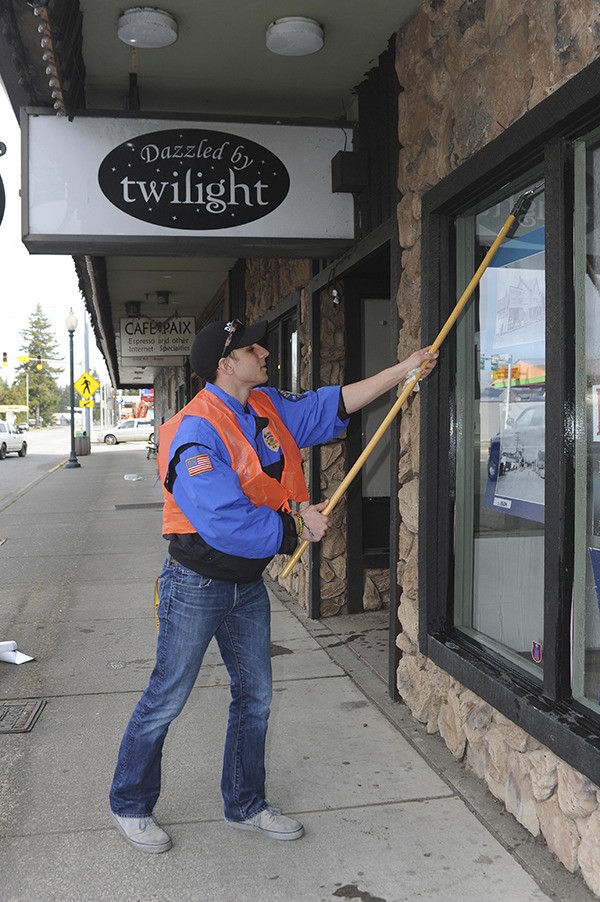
[(389, 815)]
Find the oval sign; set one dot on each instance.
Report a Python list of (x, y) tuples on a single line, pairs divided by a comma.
[(193, 179)]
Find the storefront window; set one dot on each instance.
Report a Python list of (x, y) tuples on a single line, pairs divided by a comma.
[(282, 343), (501, 392), (291, 375), (509, 570), (586, 609)]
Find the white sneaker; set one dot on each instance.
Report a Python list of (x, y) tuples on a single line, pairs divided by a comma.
[(143, 833), (272, 823)]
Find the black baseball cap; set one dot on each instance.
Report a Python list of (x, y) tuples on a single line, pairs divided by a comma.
[(219, 339)]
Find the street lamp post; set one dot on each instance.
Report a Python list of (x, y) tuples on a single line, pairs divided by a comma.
[(71, 323)]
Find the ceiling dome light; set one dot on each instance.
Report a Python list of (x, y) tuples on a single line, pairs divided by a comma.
[(145, 26), (294, 36)]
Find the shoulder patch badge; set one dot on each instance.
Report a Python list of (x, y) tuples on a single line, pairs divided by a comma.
[(290, 396), (198, 464)]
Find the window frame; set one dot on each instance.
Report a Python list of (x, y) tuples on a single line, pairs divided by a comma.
[(278, 346), (541, 138), (464, 553)]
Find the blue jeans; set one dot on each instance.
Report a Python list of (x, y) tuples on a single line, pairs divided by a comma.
[(192, 610)]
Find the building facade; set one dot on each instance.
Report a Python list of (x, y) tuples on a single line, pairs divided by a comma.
[(476, 524), (499, 604)]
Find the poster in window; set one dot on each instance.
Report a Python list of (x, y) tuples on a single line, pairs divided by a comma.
[(513, 320)]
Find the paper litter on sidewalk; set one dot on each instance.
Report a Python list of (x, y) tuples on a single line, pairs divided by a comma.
[(11, 655)]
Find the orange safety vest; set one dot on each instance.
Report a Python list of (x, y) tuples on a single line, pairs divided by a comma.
[(257, 485)]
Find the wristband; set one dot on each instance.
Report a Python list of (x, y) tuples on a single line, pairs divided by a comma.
[(299, 525)]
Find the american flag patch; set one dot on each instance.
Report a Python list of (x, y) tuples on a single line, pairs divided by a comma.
[(199, 464)]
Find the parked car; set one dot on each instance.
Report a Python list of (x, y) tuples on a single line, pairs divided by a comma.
[(521, 444), (23, 427), (128, 431), (11, 441)]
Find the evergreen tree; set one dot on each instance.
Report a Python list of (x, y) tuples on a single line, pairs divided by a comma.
[(39, 343), (10, 394), (64, 403)]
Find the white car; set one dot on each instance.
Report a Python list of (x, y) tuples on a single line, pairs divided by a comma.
[(11, 440), (128, 431)]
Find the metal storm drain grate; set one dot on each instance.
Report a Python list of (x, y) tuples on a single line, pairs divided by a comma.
[(148, 505), (19, 717)]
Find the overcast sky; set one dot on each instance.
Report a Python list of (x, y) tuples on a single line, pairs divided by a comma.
[(28, 279)]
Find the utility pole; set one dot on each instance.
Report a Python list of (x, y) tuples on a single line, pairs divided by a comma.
[(87, 413)]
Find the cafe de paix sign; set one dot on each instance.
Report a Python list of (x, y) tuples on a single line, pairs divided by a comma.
[(117, 184), (160, 337)]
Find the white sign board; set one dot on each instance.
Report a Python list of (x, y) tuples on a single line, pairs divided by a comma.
[(161, 337), (97, 179)]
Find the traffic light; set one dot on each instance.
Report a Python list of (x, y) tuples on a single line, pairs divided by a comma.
[(38, 365), (4, 358)]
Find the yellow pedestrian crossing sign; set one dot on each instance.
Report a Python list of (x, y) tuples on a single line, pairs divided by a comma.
[(86, 385), (86, 402)]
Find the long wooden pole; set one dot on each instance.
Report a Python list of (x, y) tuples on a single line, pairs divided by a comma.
[(509, 227)]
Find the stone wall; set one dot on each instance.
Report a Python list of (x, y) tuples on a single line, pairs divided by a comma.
[(332, 465), (269, 282), (548, 797), (468, 69), (376, 590), (174, 376)]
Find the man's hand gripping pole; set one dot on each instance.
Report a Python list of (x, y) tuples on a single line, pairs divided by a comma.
[(509, 228)]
